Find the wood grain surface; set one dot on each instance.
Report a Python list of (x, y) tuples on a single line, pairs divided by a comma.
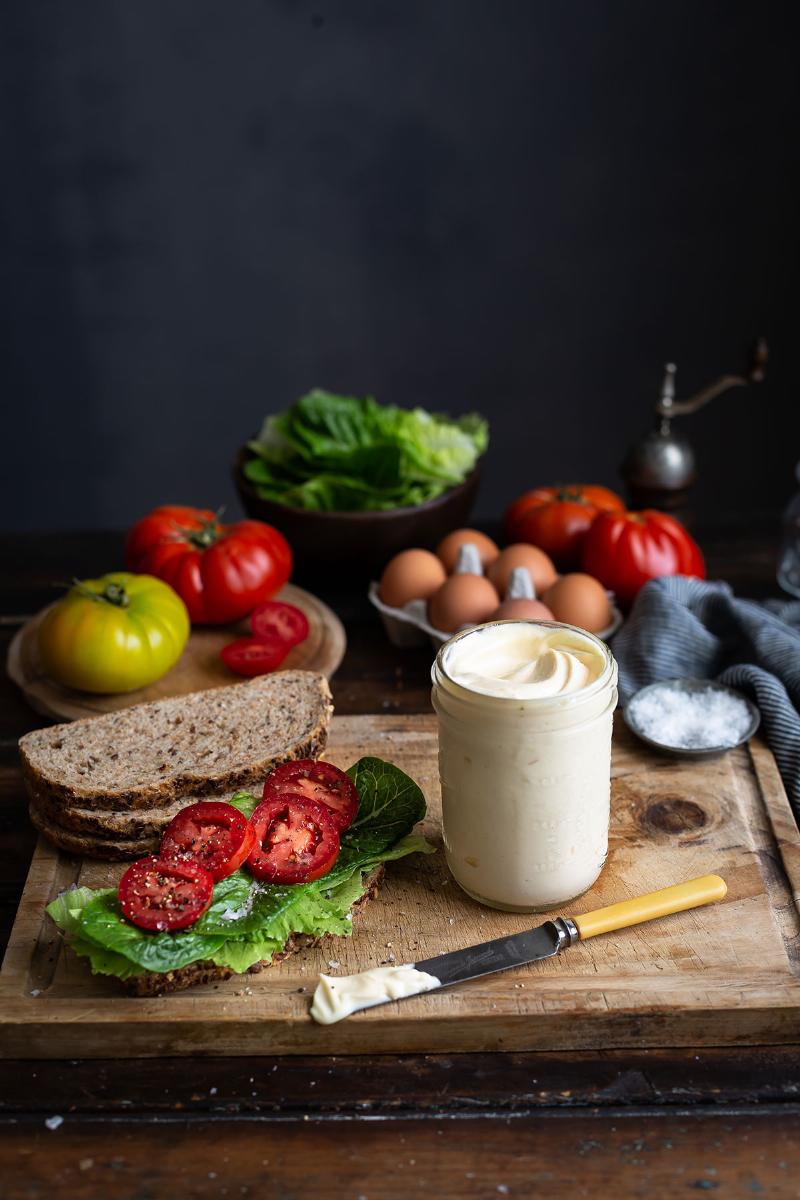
[(658, 1156), (198, 668), (721, 975), (628, 1123)]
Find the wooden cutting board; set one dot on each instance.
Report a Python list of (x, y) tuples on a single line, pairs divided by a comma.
[(198, 668), (723, 975)]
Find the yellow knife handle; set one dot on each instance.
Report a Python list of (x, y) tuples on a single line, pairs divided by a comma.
[(669, 900)]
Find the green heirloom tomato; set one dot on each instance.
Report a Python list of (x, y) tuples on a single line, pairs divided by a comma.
[(114, 634)]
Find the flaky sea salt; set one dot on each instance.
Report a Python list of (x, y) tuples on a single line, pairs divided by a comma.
[(236, 914), (690, 720)]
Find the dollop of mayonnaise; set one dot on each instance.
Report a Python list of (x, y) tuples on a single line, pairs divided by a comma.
[(523, 661), (335, 998)]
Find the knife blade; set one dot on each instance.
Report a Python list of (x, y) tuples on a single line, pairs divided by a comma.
[(516, 950)]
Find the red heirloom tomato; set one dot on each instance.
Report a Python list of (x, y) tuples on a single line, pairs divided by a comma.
[(157, 894), (320, 781), (556, 519), (296, 840), (221, 572), (210, 833), (624, 550)]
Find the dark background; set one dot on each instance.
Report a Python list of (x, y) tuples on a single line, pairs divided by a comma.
[(509, 205)]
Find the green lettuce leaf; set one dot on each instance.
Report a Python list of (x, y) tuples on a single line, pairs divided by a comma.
[(249, 921), (103, 924), (390, 804), (349, 453), (246, 802), (66, 909), (241, 953), (105, 962)]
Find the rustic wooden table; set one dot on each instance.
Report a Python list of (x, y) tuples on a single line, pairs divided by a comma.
[(649, 1123)]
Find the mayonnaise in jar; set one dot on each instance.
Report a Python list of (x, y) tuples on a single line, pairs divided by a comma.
[(525, 716)]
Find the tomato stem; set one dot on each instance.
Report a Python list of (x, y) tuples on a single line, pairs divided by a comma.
[(573, 494), (112, 593), (208, 534)]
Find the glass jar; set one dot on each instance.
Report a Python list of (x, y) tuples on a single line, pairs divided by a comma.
[(526, 780)]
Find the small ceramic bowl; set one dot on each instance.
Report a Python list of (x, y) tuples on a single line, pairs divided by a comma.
[(361, 542), (689, 687)]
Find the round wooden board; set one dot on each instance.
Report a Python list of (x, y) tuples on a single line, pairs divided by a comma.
[(199, 667)]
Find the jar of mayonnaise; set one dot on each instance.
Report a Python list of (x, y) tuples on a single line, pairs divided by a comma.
[(525, 716)]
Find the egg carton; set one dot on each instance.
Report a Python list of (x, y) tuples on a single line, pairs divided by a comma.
[(409, 626)]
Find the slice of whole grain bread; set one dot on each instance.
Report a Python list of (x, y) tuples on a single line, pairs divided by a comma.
[(202, 744), (101, 822), (84, 845), (153, 983)]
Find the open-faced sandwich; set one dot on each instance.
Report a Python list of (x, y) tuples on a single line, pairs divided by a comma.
[(247, 846), (237, 886)]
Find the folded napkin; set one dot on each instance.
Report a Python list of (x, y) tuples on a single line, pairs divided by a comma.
[(682, 627)]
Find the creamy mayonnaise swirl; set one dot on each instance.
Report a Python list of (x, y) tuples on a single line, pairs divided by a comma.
[(523, 661)]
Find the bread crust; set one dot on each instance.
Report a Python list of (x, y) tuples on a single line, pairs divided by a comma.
[(84, 845), (137, 823)]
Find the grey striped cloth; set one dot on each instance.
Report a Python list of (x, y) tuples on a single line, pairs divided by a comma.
[(686, 627)]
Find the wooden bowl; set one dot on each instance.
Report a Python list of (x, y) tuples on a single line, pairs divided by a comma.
[(362, 541)]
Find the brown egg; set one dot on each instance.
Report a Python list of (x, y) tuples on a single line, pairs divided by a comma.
[(520, 609), (579, 600), (449, 547), (410, 575), (462, 600), (536, 562)]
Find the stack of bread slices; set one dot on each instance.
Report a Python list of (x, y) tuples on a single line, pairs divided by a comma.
[(106, 787)]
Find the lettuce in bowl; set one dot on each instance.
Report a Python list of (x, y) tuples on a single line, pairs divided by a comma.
[(335, 453)]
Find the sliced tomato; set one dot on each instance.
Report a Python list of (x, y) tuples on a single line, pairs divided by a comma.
[(157, 894), (254, 656), (319, 781), (296, 840), (276, 620), (210, 833)]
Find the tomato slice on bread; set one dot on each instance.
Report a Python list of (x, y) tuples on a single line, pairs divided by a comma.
[(296, 840), (254, 656), (318, 781), (160, 895), (212, 834), (278, 621)]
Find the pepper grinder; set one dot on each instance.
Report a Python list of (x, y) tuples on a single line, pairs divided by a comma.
[(660, 468)]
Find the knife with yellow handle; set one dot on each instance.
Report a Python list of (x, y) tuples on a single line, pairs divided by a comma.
[(339, 996)]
